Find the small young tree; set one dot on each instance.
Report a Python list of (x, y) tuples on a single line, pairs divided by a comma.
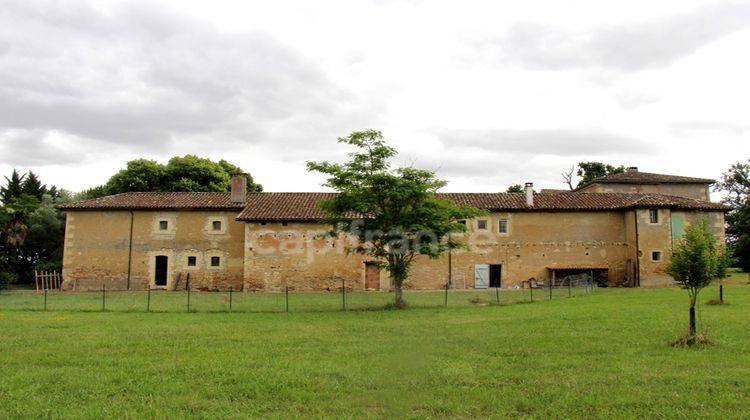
[(696, 261), (394, 214)]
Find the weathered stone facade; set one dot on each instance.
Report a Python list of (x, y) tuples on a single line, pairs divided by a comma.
[(273, 241), (137, 249)]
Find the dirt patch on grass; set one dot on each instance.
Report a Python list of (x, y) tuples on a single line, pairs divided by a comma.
[(699, 339)]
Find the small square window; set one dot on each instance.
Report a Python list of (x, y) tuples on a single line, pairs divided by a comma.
[(503, 226), (463, 222), (262, 223), (653, 216), (215, 261), (163, 225), (191, 261), (481, 225), (216, 224), (283, 223), (655, 255)]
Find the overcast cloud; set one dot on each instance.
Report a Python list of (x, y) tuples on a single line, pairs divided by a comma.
[(485, 94)]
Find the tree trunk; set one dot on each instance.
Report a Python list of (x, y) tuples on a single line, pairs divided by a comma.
[(692, 321), (398, 291), (399, 294)]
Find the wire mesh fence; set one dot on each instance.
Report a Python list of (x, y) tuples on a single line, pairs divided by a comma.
[(288, 300)]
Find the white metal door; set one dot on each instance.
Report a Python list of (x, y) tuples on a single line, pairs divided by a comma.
[(481, 276)]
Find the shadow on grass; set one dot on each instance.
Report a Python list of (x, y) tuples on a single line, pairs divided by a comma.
[(717, 302)]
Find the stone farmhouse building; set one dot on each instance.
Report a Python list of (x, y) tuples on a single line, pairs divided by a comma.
[(619, 227)]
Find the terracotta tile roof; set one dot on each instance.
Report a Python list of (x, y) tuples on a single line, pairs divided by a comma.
[(636, 177), (157, 200), (269, 206), (303, 206), (573, 202)]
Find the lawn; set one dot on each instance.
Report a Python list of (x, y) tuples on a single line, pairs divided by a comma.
[(600, 355)]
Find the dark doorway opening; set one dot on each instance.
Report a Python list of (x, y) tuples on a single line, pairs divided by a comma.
[(496, 275), (160, 274)]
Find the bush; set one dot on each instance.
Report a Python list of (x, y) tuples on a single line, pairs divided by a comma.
[(7, 278)]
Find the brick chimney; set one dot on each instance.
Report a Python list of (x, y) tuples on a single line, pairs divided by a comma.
[(631, 169), (529, 190), (239, 188)]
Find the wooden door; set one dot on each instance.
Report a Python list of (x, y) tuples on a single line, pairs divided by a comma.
[(372, 276)]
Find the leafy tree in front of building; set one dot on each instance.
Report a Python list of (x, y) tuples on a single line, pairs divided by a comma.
[(736, 183), (187, 173), (696, 261), (394, 214)]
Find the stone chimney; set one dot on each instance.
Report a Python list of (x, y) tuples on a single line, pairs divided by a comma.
[(631, 169), (239, 188), (529, 189)]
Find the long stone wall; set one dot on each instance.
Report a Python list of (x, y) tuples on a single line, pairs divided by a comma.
[(100, 250)]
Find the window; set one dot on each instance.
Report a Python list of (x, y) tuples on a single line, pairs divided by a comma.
[(463, 222), (284, 223), (216, 225), (655, 255), (215, 261), (503, 226), (653, 216), (481, 225), (163, 225), (191, 261)]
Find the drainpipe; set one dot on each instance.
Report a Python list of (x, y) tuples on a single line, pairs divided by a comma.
[(671, 232), (130, 247), (637, 279)]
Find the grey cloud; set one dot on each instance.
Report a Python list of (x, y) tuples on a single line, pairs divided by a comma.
[(33, 147), (624, 47), (691, 128), (149, 78), (633, 100), (559, 142), (492, 168)]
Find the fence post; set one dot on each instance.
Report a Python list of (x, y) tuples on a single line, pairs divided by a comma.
[(230, 298), (550, 290), (569, 287), (187, 286), (287, 298), (45, 299), (497, 294), (148, 299), (531, 291), (721, 293), (343, 295), (104, 299), (446, 293)]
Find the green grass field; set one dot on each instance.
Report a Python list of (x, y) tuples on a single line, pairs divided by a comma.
[(601, 355), (179, 301)]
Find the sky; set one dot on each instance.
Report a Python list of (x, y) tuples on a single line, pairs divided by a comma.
[(484, 93)]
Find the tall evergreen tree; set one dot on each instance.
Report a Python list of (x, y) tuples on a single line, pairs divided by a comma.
[(13, 187), (33, 186)]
